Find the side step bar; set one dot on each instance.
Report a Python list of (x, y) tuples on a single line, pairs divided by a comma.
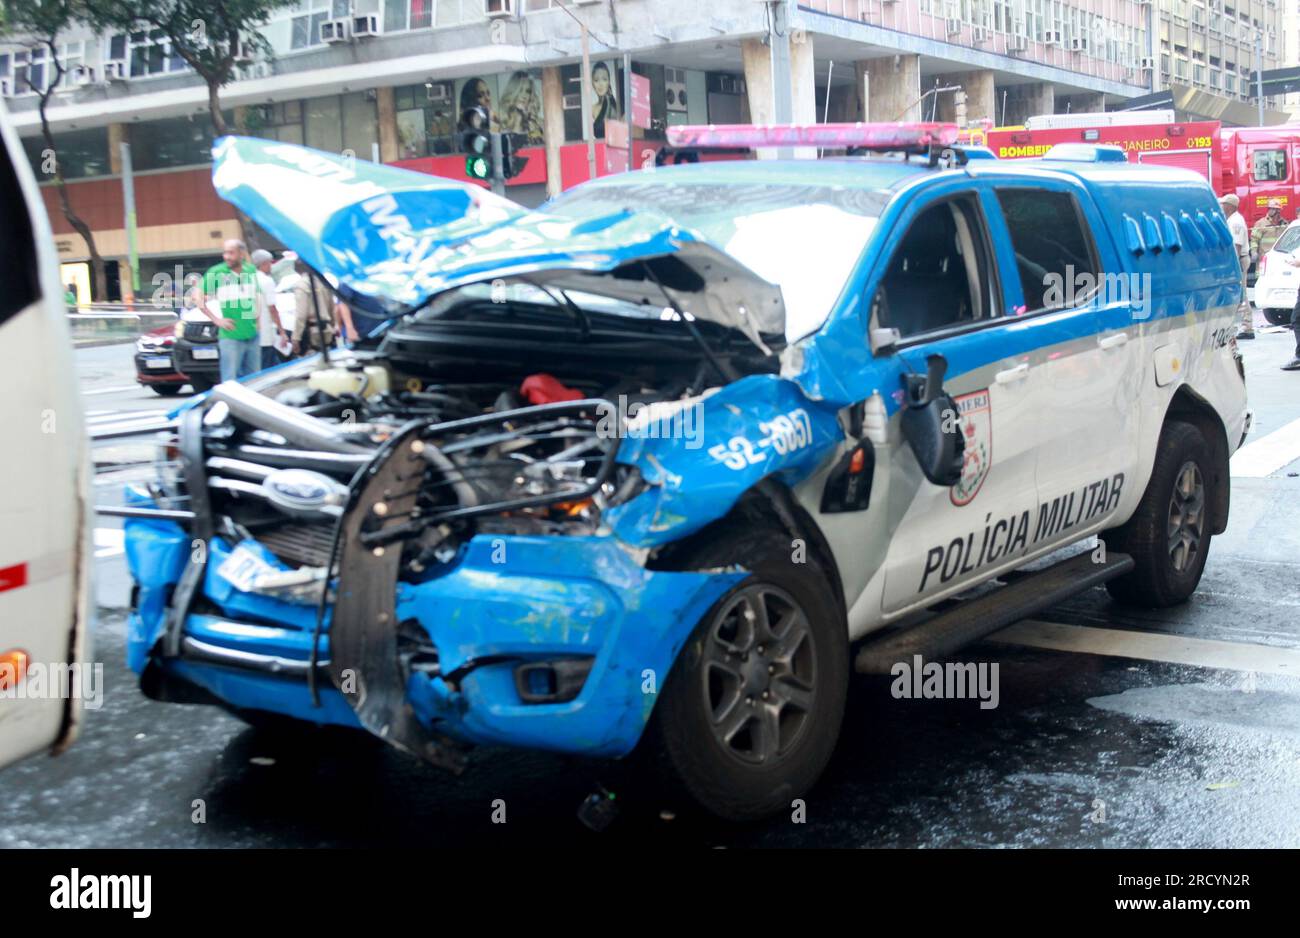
[(970, 621)]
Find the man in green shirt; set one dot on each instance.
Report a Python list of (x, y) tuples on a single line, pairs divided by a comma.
[(228, 296)]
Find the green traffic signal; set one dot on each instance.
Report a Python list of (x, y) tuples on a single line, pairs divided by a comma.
[(476, 167)]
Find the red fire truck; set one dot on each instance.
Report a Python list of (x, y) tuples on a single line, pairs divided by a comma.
[(1195, 145), (1255, 163), (1258, 164)]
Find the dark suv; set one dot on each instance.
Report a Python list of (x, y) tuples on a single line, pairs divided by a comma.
[(195, 351)]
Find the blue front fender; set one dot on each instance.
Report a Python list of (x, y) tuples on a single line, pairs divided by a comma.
[(703, 459)]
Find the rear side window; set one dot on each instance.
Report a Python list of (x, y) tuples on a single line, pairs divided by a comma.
[(17, 247), (1055, 257)]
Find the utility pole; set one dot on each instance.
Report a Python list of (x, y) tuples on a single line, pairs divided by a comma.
[(627, 106), (128, 221), (588, 133), (498, 165), (1259, 73), (778, 38)]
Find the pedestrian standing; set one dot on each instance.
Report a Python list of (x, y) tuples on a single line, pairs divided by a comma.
[(1241, 241), (270, 329), (1265, 232), (231, 287), (314, 313)]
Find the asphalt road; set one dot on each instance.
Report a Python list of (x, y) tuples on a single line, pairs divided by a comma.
[(1178, 728)]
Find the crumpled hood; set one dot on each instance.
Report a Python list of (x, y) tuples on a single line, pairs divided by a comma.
[(389, 239)]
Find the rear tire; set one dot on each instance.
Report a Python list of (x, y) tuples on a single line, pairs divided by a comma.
[(750, 713), (167, 390), (1169, 534), (1278, 317), (201, 384)]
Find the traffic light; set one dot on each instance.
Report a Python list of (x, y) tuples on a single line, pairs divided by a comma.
[(476, 143), (511, 163)]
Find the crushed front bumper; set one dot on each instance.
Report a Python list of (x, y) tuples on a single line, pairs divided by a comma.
[(502, 607)]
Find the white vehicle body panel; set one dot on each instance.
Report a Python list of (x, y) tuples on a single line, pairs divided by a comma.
[(45, 545)]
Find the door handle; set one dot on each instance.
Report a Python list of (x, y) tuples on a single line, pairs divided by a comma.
[(1012, 374), (1113, 341)]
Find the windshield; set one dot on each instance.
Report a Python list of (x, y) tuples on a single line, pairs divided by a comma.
[(803, 238), (1289, 241)]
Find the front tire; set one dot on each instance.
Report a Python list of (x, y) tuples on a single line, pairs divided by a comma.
[(1278, 317), (751, 711), (1169, 534), (167, 390), (200, 384)]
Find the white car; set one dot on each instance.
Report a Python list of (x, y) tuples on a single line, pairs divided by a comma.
[(45, 555), (1276, 282)]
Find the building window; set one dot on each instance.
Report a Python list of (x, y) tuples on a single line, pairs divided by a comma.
[(28, 70), (80, 153), (24, 65), (304, 28), (426, 119), (172, 142), (342, 123), (281, 121), (146, 54)]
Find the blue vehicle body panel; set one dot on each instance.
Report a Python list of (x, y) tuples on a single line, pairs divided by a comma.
[(696, 482), (554, 598)]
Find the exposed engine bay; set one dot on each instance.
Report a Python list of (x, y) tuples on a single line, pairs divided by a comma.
[(519, 407), (330, 482)]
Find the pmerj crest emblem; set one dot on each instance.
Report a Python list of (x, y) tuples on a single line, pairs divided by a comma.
[(976, 416)]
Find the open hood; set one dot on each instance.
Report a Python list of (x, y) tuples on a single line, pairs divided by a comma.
[(389, 239)]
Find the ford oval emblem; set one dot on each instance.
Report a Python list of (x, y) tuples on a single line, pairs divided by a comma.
[(301, 491)]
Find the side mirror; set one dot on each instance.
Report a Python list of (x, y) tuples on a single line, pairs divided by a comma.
[(882, 340), (930, 424)]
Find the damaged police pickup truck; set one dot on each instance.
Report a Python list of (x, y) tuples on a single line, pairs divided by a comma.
[(636, 468)]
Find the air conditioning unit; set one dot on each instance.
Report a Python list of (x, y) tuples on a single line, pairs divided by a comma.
[(115, 70), (438, 92), (980, 34), (257, 70), (1079, 44), (954, 25), (82, 75), (1052, 37), (1147, 62), (499, 9), (1017, 43), (6, 87), (333, 31), (365, 25), (245, 54), (675, 88)]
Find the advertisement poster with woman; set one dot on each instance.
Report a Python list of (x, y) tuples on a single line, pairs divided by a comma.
[(521, 108), (604, 88), (479, 91), (605, 98)]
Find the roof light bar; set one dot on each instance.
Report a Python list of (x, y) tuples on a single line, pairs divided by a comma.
[(914, 137)]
